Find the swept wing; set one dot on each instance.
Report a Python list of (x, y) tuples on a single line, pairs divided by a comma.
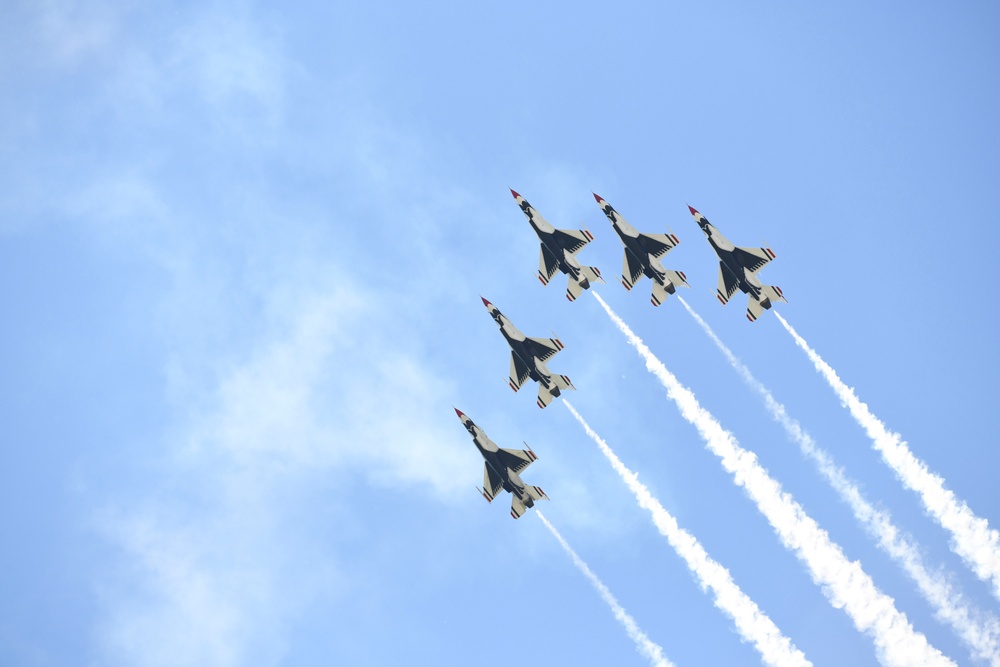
[(519, 372), (492, 483), (754, 259), (727, 285), (543, 348)]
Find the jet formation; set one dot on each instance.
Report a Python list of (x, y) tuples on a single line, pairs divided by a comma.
[(738, 268), (502, 470)]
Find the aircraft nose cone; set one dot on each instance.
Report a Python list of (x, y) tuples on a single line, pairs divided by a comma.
[(514, 193), (693, 210), (486, 303), (461, 415), (597, 197)]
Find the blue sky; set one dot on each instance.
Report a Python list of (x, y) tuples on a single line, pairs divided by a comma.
[(241, 254)]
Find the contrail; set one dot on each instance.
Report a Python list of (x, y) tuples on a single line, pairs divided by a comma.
[(643, 644), (843, 582), (980, 631), (752, 624), (972, 537)]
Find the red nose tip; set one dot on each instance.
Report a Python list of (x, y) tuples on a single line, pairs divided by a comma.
[(514, 193), (598, 197), (693, 210), (486, 303), (461, 415)]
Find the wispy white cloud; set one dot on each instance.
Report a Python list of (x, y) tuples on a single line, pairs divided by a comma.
[(752, 624), (972, 537), (978, 629), (844, 582), (284, 366), (207, 566)]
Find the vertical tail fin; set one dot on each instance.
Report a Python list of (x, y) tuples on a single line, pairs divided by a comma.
[(573, 289), (770, 294)]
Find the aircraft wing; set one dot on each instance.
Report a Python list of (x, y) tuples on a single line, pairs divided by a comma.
[(754, 259), (658, 244), (631, 271), (547, 266), (492, 483), (573, 239), (519, 372), (516, 459), (727, 285), (543, 348)]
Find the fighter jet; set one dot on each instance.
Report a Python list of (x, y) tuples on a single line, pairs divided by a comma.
[(502, 470), (559, 248), (642, 256), (738, 269), (528, 357)]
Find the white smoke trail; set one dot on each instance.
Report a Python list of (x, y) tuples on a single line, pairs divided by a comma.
[(843, 581), (972, 537), (643, 644), (752, 624), (979, 630)]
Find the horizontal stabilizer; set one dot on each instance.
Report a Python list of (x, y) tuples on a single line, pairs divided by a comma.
[(661, 291), (593, 274), (517, 506), (563, 382), (545, 396), (536, 492), (770, 294), (677, 278), (573, 289), (774, 293), (588, 276)]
